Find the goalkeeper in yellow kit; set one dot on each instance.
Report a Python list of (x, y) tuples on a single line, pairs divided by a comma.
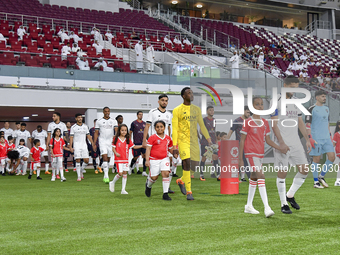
[(184, 137)]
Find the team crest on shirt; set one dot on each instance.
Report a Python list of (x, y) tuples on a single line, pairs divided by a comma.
[(158, 141), (118, 144), (255, 130)]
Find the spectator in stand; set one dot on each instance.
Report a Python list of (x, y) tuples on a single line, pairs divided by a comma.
[(280, 45), (304, 65), (108, 36), (139, 55), (75, 48), (257, 46), (289, 50), (82, 63), (97, 36), (318, 63), (63, 36), (2, 38), (65, 50), (260, 61), (301, 79), (186, 41), (134, 36), (310, 62), (150, 55), (333, 69), (232, 47), (177, 41), (296, 56), (250, 48), (320, 79), (80, 53), (278, 55), (75, 37), (327, 81), (289, 71), (21, 32), (275, 71), (314, 81), (103, 63), (271, 54), (305, 74), (303, 57), (167, 39), (326, 72), (98, 47)]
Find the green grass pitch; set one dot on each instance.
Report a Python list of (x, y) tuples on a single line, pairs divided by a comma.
[(44, 217)]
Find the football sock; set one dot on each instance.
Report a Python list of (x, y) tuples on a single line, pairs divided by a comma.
[(124, 181), (251, 192), (263, 192), (38, 172), (202, 164), (133, 161), (24, 167), (150, 182), (242, 173), (116, 178), (144, 166), (174, 165), (53, 172), (314, 170), (186, 178), (101, 162), (46, 167), (170, 178), (2, 169), (298, 180), (106, 169), (338, 175), (65, 163), (328, 164), (83, 166), (281, 188), (166, 184), (78, 169), (217, 167), (61, 172)]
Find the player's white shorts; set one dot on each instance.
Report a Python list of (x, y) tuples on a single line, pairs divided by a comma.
[(295, 156), (106, 148), (81, 153), (156, 166), (35, 166), (43, 153), (3, 162), (255, 164), (122, 167)]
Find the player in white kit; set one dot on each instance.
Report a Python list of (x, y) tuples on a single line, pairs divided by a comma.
[(154, 115), (105, 126), (7, 130), (41, 135), (78, 134), (24, 153), (22, 134), (285, 128), (56, 123)]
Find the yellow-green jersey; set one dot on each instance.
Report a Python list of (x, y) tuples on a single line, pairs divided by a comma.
[(184, 125)]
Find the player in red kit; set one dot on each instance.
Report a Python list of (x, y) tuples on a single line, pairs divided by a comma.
[(157, 159), (36, 158), (57, 146), (121, 145), (254, 134), (3, 154)]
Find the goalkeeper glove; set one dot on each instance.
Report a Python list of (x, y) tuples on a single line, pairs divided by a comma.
[(312, 141)]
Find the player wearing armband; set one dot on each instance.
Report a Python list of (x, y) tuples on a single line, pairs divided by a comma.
[(255, 133), (287, 136), (185, 140), (336, 142), (320, 138)]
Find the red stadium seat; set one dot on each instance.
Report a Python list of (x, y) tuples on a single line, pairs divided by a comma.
[(48, 35), (48, 48), (33, 47), (8, 59), (34, 33), (16, 46), (56, 62)]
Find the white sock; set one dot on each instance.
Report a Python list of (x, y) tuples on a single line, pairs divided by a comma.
[(57, 170), (116, 178), (298, 180), (46, 167), (263, 192), (174, 165), (281, 188), (31, 171), (251, 192), (2, 169), (166, 184), (53, 173), (61, 172), (97, 161), (338, 175), (106, 169), (242, 174), (24, 167), (170, 178), (150, 182), (38, 172), (124, 182), (78, 169), (83, 166)]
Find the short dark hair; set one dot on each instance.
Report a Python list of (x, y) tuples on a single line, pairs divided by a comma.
[(290, 79), (106, 107), (23, 124), (159, 121), (77, 115), (183, 91), (17, 123), (21, 140), (223, 133), (58, 114), (320, 92), (39, 126), (254, 98), (161, 96), (118, 116), (246, 108), (10, 138), (139, 112), (95, 120), (218, 133), (210, 106), (36, 141)]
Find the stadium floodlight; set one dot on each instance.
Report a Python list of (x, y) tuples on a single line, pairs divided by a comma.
[(174, 2), (51, 110), (26, 118), (35, 115), (199, 6)]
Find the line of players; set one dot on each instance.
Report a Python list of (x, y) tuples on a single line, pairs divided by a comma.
[(288, 147)]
